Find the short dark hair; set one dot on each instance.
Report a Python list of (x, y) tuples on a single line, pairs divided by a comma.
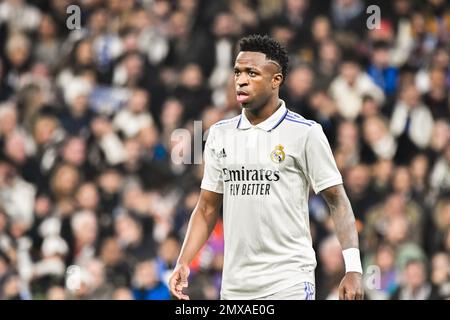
[(351, 57), (270, 47)]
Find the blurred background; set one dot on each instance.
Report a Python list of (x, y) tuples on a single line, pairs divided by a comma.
[(86, 117)]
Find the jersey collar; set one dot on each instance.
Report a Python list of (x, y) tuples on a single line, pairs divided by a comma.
[(269, 124)]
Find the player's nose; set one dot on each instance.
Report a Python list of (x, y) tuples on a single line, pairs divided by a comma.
[(241, 80)]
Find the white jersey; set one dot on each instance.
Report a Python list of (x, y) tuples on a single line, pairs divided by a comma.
[(265, 173)]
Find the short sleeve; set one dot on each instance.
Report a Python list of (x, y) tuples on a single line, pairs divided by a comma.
[(321, 167), (212, 175)]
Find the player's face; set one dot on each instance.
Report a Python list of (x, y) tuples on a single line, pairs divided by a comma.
[(256, 79)]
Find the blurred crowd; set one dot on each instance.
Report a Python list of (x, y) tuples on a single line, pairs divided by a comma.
[(87, 116)]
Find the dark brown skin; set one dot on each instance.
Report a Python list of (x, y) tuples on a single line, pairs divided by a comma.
[(201, 224), (351, 287), (260, 80)]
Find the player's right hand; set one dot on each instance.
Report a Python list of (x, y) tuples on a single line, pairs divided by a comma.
[(178, 281)]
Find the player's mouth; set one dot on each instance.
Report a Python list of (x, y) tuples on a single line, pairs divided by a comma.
[(242, 96)]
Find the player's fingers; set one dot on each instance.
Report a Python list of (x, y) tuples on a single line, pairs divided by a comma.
[(175, 293), (183, 283), (359, 295), (350, 295), (172, 282), (174, 287), (341, 293), (180, 285), (184, 296)]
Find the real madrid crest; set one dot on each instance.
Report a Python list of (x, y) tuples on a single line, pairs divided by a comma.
[(278, 155)]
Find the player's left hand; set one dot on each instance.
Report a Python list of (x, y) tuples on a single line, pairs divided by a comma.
[(351, 287)]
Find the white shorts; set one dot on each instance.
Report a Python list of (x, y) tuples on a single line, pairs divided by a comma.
[(301, 291)]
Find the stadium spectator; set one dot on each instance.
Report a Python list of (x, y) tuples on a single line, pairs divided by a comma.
[(146, 283), (414, 284)]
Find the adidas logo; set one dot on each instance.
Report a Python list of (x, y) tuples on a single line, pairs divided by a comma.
[(222, 154)]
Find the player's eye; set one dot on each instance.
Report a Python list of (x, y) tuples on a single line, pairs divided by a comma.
[(252, 73), (236, 73)]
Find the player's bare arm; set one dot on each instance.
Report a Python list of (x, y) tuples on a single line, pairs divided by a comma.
[(200, 226), (350, 287)]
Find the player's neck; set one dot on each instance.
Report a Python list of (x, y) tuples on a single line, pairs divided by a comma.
[(258, 115)]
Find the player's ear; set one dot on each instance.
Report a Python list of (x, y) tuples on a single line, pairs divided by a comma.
[(277, 79)]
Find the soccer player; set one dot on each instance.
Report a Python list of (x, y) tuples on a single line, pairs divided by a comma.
[(261, 165)]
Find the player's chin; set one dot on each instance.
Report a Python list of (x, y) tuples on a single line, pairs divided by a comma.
[(247, 104)]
